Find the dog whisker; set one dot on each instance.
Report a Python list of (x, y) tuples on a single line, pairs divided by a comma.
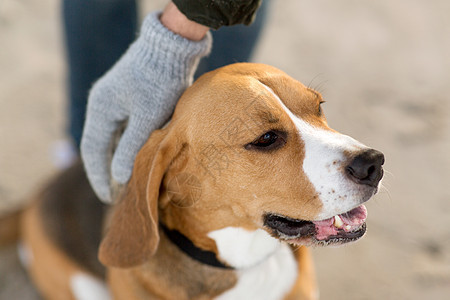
[(389, 173), (309, 85), (384, 189), (319, 86)]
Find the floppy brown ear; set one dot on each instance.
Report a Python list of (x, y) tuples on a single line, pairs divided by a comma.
[(132, 236)]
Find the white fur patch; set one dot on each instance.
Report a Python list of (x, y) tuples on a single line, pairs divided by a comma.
[(241, 248), (266, 268), (324, 164), (87, 287)]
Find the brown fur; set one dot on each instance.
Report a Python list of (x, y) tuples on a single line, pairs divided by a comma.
[(51, 269), (213, 121), (170, 274), (231, 93), (306, 286), (10, 228), (72, 217)]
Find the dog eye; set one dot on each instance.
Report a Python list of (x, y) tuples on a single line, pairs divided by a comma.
[(268, 141)]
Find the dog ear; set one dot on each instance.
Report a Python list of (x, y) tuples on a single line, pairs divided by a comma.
[(132, 236)]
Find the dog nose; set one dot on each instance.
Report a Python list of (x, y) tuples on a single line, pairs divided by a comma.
[(366, 167)]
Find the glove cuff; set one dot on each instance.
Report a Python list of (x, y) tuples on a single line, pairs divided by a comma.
[(174, 55)]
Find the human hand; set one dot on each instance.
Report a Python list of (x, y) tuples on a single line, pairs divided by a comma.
[(142, 88)]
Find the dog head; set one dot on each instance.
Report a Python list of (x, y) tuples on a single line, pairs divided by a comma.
[(247, 147)]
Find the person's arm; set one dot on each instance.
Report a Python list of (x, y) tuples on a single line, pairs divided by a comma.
[(143, 87), (178, 23)]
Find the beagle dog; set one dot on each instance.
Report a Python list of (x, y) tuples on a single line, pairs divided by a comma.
[(222, 203)]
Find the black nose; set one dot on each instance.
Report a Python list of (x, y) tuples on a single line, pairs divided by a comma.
[(366, 167)]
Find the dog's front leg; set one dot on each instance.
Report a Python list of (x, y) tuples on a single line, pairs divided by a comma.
[(306, 286)]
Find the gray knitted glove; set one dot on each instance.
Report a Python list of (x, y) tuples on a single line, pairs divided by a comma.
[(141, 88)]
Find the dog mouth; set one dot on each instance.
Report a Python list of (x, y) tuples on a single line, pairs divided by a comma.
[(339, 229)]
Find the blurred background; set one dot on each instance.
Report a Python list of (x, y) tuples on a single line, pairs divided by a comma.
[(382, 66)]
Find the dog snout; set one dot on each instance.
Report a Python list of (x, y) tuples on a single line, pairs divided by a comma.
[(366, 168)]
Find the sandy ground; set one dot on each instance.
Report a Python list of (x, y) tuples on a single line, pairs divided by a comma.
[(384, 69)]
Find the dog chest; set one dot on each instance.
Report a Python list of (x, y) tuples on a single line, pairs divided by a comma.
[(266, 268)]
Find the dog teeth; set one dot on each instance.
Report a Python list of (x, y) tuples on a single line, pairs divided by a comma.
[(338, 222), (347, 227)]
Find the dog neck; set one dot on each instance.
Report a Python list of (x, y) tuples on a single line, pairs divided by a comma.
[(171, 274), (236, 247), (187, 246), (168, 269)]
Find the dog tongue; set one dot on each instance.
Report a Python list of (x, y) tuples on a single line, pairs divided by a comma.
[(351, 220), (355, 217)]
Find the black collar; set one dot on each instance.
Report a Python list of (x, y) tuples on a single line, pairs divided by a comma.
[(186, 245)]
